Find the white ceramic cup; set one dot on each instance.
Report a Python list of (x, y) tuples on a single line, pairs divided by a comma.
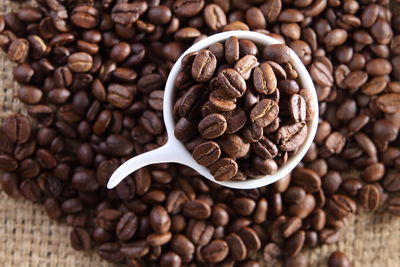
[(175, 152)]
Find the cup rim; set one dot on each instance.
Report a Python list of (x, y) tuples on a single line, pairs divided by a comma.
[(306, 82)]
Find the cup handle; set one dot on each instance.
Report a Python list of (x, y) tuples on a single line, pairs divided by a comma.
[(164, 154)]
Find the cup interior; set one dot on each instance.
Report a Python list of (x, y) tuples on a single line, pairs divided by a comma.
[(305, 80)]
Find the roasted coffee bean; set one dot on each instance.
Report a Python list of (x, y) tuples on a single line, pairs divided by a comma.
[(170, 259), (374, 172), (219, 216), (150, 121), (212, 126), (185, 8), (218, 50), (159, 219), (222, 101), (80, 239), (30, 190), (100, 235), (356, 79), (80, 62), (232, 82), (351, 186), (278, 52), (214, 17), (289, 87), (8, 163), (231, 50), (366, 144), (271, 9), (294, 244), (17, 128), (119, 96), (318, 220), (23, 73), (338, 259), (187, 34), (28, 168), (10, 184), (291, 136), (384, 130), (301, 48), (294, 194), (233, 146), (127, 226), (110, 252), (53, 208), (391, 181), (252, 133), (159, 14), (247, 47), (255, 18), (18, 50), (120, 52), (235, 120), (329, 236), (291, 226), (341, 206), (336, 37), (184, 129), (224, 169), (264, 79), (381, 31), (135, 249), (393, 206), (216, 251), (204, 65), (250, 238), (150, 82), (30, 95), (245, 65), (183, 81), (243, 206), (190, 101), (197, 209), (331, 182), (85, 17), (200, 232), (237, 248), (335, 142), (321, 74), (181, 245), (264, 112), (370, 197), (127, 13), (307, 178), (303, 208), (271, 253), (265, 166), (299, 260), (297, 108), (156, 239), (207, 153), (265, 148)]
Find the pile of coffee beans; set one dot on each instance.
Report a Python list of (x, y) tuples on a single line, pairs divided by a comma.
[(241, 108), (92, 75)]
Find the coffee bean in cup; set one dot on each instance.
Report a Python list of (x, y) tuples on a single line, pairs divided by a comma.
[(245, 108)]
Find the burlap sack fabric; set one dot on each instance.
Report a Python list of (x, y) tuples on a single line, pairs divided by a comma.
[(29, 238)]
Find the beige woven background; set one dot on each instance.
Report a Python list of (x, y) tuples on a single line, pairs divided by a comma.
[(29, 238)]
